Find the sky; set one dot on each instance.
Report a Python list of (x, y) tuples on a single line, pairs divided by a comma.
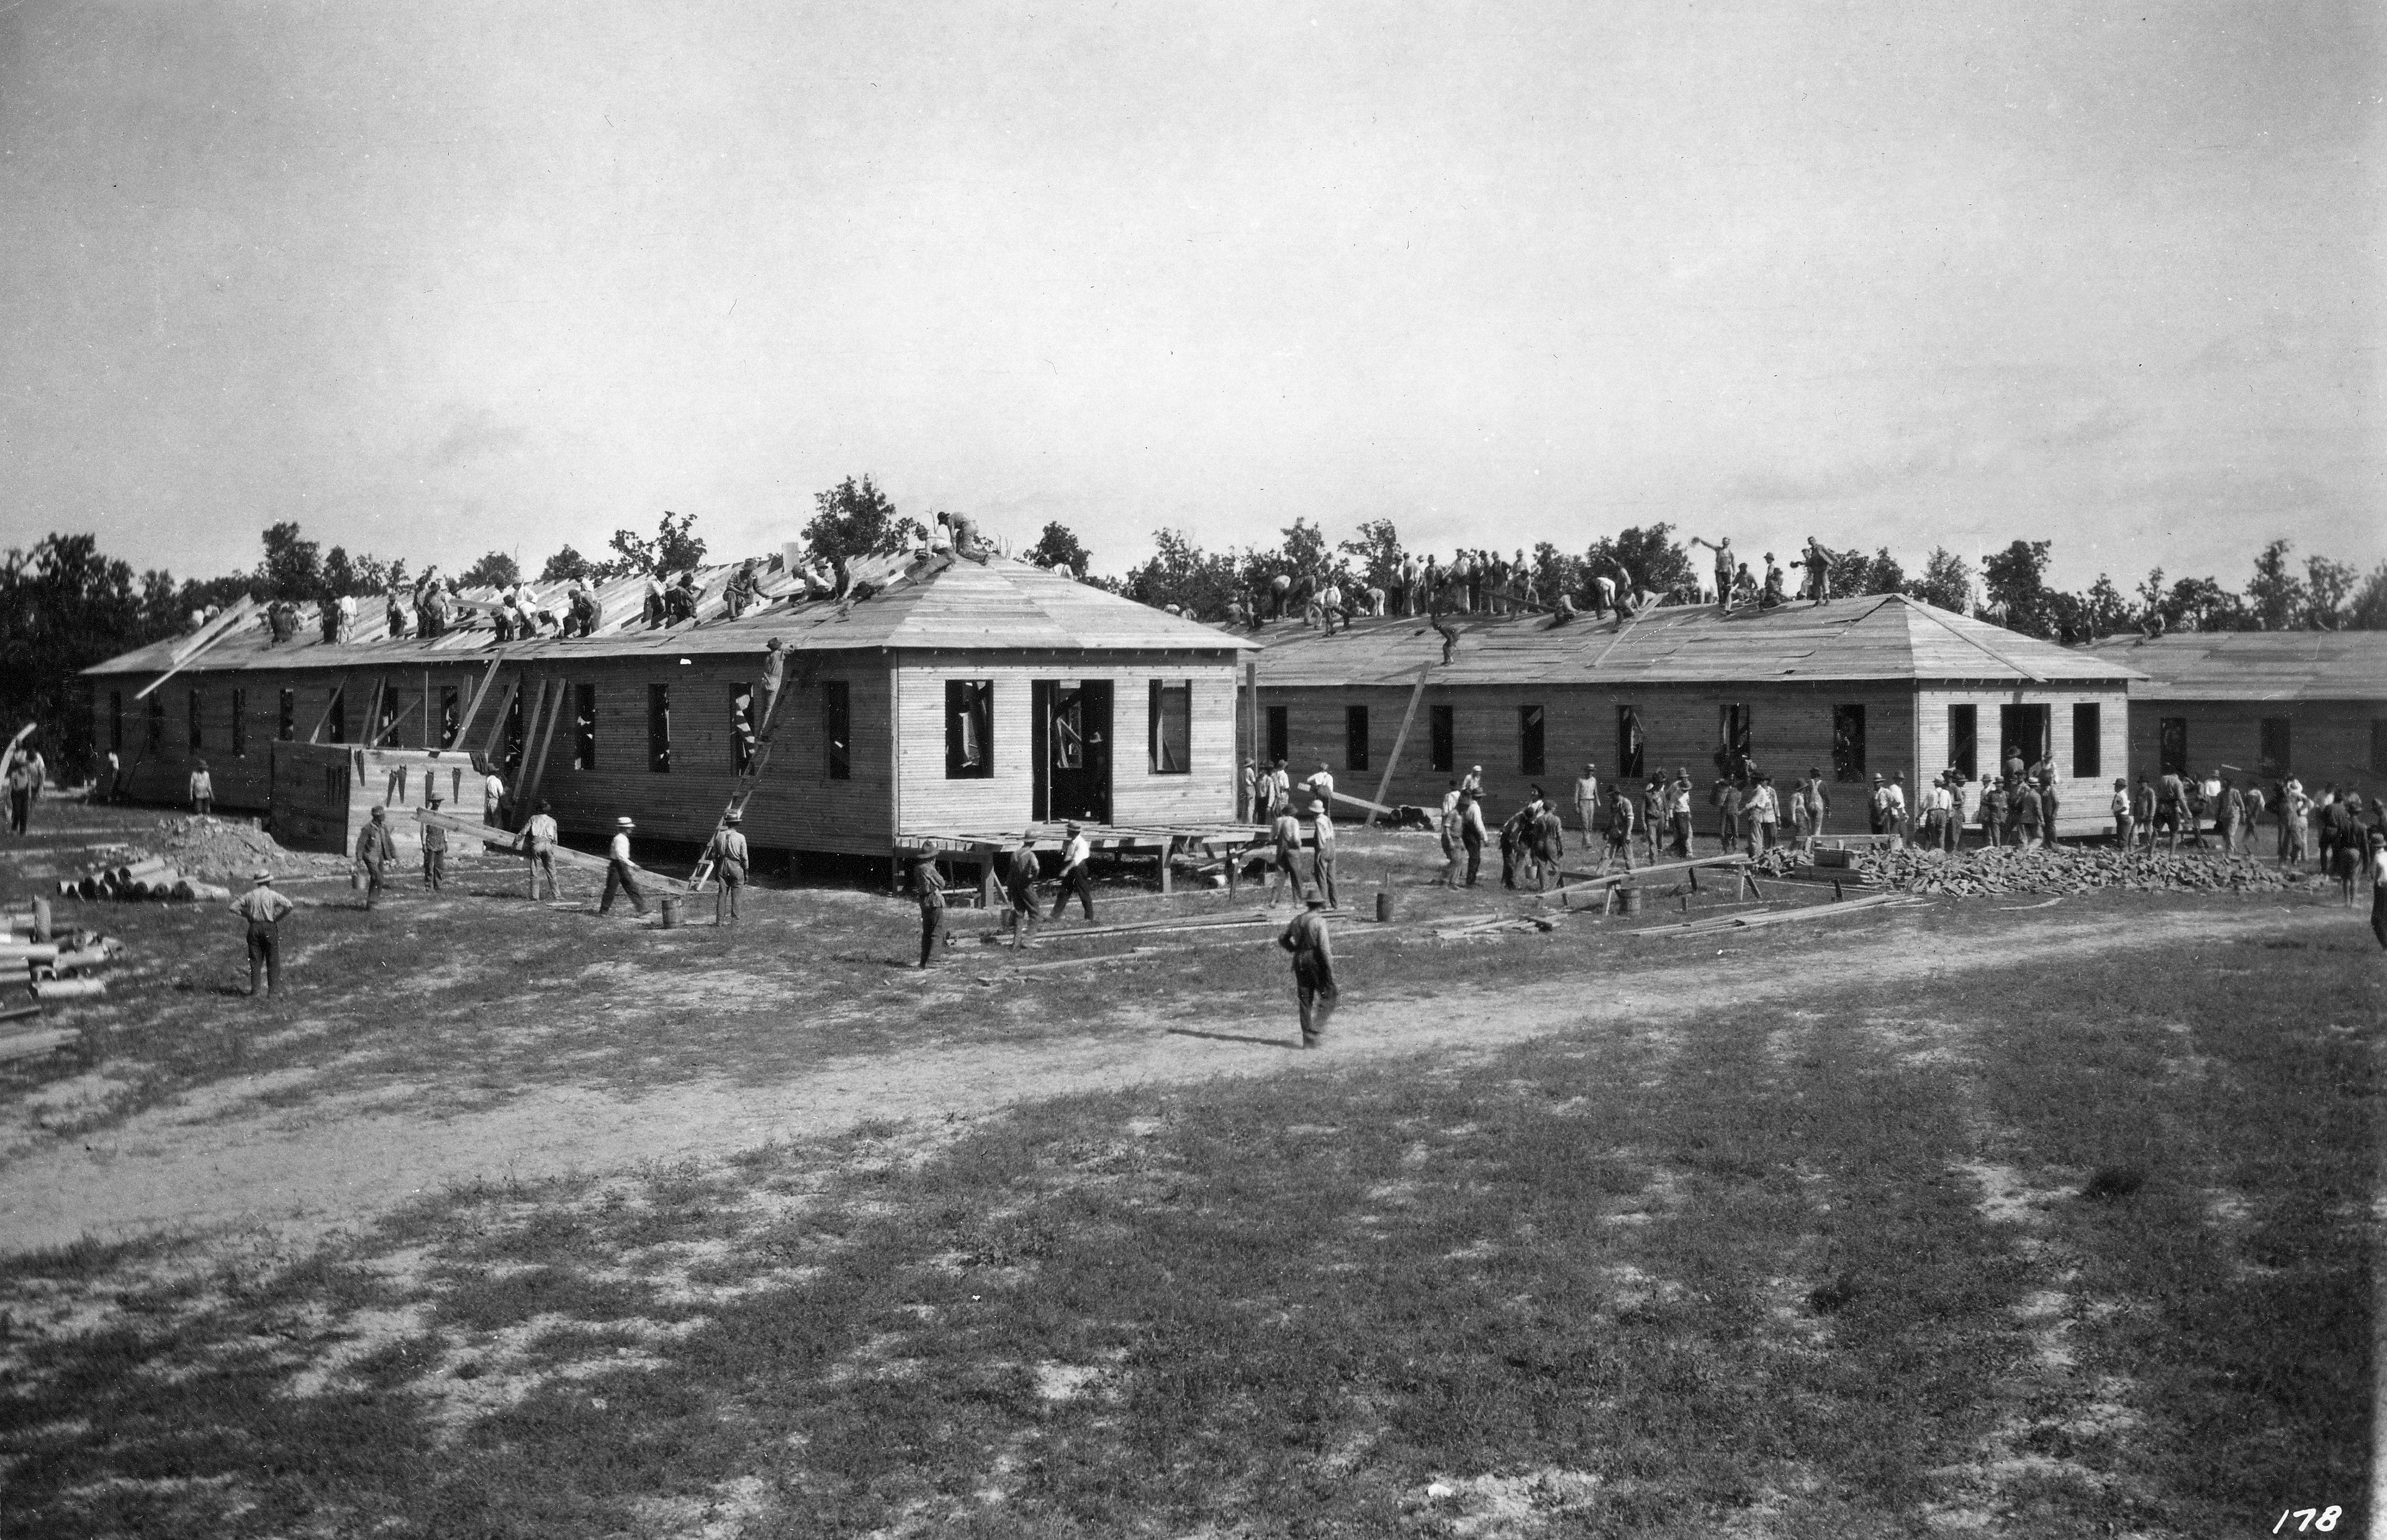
[(439, 279)]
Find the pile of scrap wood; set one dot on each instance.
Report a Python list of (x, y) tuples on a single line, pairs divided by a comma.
[(140, 877), (2046, 869), (1762, 919)]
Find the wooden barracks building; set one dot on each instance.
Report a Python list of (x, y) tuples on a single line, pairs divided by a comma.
[(1860, 686), (2312, 704), (948, 710)]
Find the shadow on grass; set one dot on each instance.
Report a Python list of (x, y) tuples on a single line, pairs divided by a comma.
[(1231, 1037)]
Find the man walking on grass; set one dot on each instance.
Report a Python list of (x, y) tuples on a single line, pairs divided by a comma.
[(539, 838), (1322, 855), (727, 852), (1620, 830), (1586, 800), (261, 908), (1019, 877), (1286, 829), (374, 850), (1075, 878), (434, 851), (1313, 968), (619, 873), (929, 884), (1471, 832)]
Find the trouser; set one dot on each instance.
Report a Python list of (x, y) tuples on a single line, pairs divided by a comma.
[(725, 899), (2122, 831), (1683, 836), (1618, 847), (435, 867), (1728, 831), (2026, 836), (542, 865), (495, 818), (1507, 864), (1284, 874), (1313, 986), (1474, 843), (617, 875), (202, 805), (2378, 914), (1074, 881), (1023, 910), (1935, 830), (932, 924), (1993, 831), (1322, 866), (372, 881), (264, 957), (1655, 833), (20, 809), (1584, 815), (2295, 844)]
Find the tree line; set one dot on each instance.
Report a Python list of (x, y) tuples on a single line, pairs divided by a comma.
[(64, 605)]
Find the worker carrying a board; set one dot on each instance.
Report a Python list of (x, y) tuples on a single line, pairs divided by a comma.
[(1019, 875), (1313, 967), (539, 838), (261, 908), (929, 884), (727, 852), (375, 850), (434, 851), (619, 874), (1075, 878)]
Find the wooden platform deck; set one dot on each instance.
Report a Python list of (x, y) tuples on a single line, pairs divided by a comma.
[(984, 848)]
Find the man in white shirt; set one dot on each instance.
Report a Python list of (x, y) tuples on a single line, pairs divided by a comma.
[(1320, 788), (1285, 871), (1321, 829), (1893, 809), (1586, 798), (493, 803), (1473, 782), (1937, 805), (1074, 876), (1279, 786), (1451, 846), (619, 873), (539, 838), (203, 790), (1760, 810)]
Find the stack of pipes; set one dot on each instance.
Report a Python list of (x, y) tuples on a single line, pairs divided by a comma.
[(149, 878)]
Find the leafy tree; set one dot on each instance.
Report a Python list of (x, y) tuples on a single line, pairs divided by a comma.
[(2276, 597), (2015, 578), (2201, 604), (64, 607), (1946, 582), (1375, 555), (2151, 593), (496, 570), (1058, 548), (2369, 611), (2103, 611), (854, 519), (1555, 573), (292, 567), (674, 548), (1182, 574), (1301, 555), (2328, 585), (1656, 562), (565, 566), (1883, 575)]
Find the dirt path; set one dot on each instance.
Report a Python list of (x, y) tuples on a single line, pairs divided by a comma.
[(204, 1162)]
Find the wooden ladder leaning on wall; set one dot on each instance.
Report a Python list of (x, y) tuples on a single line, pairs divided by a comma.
[(747, 778)]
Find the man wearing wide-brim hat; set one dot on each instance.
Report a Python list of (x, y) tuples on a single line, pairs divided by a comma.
[(262, 909), (619, 873), (1074, 853), (728, 854), (375, 850), (1313, 967)]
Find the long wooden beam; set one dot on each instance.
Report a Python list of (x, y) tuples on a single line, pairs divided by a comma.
[(464, 722), (186, 659), (537, 769), (213, 631), (498, 720), (338, 698), (1393, 760), (1615, 878), (516, 843)]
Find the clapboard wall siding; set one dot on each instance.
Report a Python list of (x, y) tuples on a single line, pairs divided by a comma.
[(2329, 741), (1006, 800), (1791, 729), (2082, 803)]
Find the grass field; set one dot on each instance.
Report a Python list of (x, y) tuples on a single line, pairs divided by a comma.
[(2035, 1220)]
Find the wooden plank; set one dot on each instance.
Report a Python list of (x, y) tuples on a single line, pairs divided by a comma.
[(516, 843), (464, 722), (1384, 783), (1362, 801), (338, 698), (537, 768), (373, 710), (181, 662), (498, 720), (213, 632), (2024, 669), (1637, 873), (530, 728)]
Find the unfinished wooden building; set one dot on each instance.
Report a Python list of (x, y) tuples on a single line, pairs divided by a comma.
[(1877, 685), (2270, 704), (950, 708)]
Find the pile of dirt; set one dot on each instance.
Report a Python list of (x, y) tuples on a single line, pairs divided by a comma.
[(223, 849), (2049, 869)]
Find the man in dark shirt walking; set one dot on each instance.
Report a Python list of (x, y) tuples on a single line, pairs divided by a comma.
[(1313, 968)]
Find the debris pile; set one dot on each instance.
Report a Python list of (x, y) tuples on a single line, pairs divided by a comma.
[(53, 960), (2046, 869), (226, 849)]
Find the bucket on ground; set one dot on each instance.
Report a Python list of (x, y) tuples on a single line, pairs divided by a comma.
[(1629, 900), (671, 913)]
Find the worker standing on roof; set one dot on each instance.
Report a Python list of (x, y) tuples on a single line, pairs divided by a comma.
[(580, 611), (739, 594), (262, 909), (435, 850), (727, 853), (619, 873), (1724, 567), (539, 840), (1313, 968), (394, 612), (1019, 875), (1075, 877), (374, 850)]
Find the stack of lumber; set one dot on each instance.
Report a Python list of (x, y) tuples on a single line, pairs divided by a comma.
[(1762, 919), (2051, 869), (142, 876)]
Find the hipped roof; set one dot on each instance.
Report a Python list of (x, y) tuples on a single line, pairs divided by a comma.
[(1872, 638), (2254, 665), (1003, 605)]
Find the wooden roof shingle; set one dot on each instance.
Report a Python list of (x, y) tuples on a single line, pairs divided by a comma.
[(2254, 665)]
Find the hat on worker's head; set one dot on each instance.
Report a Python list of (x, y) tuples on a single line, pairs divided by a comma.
[(623, 822), (732, 817), (771, 646), (262, 876), (1315, 901), (1876, 774), (433, 801), (1073, 828), (378, 813)]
